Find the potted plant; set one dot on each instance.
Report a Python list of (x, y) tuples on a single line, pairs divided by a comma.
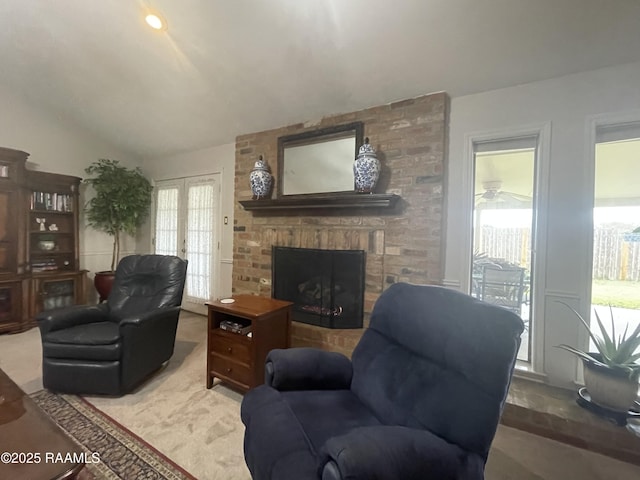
[(120, 205), (611, 374)]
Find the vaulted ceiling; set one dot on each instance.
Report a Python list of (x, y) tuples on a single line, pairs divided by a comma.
[(228, 67)]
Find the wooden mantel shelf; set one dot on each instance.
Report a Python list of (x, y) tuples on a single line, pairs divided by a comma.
[(331, 201)]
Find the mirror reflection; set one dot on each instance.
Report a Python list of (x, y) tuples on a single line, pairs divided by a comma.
[(318, 162)]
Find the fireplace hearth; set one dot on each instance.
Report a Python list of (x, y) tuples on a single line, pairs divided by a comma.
[(325, 286)]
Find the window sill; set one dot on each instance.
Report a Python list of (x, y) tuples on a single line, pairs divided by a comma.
[(553, 413)]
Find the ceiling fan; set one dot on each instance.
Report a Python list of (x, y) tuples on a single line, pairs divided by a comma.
[(494, 197)]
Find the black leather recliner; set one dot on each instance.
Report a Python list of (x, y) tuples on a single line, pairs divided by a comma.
[(111, 347), (420, 399)]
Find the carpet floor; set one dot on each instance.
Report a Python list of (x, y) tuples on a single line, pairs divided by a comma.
[(122, 454)]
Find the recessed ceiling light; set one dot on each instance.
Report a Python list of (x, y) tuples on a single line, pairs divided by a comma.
[(155, 21)]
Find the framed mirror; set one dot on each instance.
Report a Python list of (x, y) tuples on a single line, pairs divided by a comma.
[(320, 161)]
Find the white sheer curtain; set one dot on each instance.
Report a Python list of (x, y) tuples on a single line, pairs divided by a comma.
[(199, 238), (166, 238)]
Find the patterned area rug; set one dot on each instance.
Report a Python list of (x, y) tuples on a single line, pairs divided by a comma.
[(123, 455)]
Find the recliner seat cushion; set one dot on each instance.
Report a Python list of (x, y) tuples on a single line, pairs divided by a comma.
[(327, 413), (316, 416), (90, 341)]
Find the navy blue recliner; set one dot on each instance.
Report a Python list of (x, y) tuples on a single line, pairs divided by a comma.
[(420, 399)]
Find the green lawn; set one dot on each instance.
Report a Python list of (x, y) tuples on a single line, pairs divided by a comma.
[(617, 293)]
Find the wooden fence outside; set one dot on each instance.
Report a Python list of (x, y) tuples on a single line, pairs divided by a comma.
[(616, 253)]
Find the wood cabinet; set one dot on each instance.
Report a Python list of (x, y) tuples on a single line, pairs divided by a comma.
[(39, 258), (238, 358), (11, 305), (57, 289)]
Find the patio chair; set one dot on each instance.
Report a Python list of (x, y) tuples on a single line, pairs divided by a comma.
[(503, 286)]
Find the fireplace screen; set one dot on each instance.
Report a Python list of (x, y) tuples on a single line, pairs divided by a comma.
[(325, 286)]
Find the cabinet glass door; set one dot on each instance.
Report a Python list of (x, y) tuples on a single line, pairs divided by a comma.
[(10, 297), (57, 293), (7, 232)]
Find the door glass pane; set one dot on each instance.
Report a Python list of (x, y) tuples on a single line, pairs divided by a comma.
[(166, 235), (199, 238), (616, 243), (503, 218)]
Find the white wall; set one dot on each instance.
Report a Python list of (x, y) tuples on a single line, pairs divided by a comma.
[(568, 104), (56, 145), (214, 160)]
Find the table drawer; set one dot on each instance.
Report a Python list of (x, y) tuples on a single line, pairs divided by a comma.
[(230, 369), (230, 347)]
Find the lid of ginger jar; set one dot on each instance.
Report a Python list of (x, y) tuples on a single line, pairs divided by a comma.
[(261, 164), (366, 149)]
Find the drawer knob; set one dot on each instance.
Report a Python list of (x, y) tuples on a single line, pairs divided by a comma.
[(229, 349), (228, 370)]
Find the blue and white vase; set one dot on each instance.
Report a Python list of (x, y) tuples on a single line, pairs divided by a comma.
[(366, 169), (260, 179)]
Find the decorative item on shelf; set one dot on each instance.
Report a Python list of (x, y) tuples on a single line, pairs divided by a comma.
[(46, 243), (41, 222), (53, 227), (610, 375), (366, 169), (260, 179)]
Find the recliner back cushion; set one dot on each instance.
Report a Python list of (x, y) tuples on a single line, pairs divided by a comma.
[(146, 282), (437, 359)]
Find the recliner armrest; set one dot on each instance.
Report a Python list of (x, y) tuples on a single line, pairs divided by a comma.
[(393, 452), (152, 316), (61, 318), (307, 369)]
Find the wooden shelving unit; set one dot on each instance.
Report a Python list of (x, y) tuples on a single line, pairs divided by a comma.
[(39, 258)]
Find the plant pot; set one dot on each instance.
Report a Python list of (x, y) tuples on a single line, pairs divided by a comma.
[(611, 388), (103, 281)]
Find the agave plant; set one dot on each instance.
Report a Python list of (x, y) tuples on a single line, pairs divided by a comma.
[(615, 352)]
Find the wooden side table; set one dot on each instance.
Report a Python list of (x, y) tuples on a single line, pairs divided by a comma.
[(238, 358)]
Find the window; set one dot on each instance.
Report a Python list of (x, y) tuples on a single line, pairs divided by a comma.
[(616, 217), (503, 227)]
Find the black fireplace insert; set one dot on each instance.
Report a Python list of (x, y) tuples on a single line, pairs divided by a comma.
[(325, 286)]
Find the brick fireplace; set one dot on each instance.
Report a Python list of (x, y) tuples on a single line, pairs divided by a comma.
[(403, 244)]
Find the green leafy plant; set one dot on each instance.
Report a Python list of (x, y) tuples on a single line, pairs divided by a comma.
[(615, 352), (121, 201)]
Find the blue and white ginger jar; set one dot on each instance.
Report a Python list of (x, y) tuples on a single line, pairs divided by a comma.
[(260, 179), (366, 169)]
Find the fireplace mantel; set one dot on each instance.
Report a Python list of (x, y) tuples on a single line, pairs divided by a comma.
[(324, 201)]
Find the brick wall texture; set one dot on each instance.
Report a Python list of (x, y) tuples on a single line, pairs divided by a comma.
[(403, 245)]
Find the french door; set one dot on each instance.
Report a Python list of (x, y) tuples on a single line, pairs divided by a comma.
[(186, 225)]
